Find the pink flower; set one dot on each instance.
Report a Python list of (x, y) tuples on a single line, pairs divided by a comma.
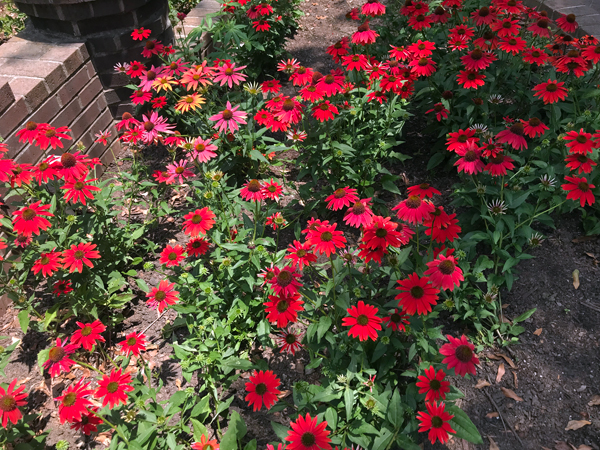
[(229, 118), (202, 150), (178, 171), (152, 125), (228, 73)]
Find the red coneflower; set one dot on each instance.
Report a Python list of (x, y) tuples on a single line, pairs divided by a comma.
[(506, 27), (30, 219), (303, 76), (420, 21), (172, 256), (567, 23), (363, 320), (272, 190), (326, 239), (470, 161), (324, 111), (423, 67), (49, 136), (417, 295), (300, 254), (10, 400), (435, 420), (397, 320), (535, 55), (48, 263), (197, 247), (462, 32), (162, 296), (262, 388), (470, 79), (579, 189), (73, 166), (433, 385), (421, 49), (205, 444), (513, 136), (80, 190), (133, 344), (581, 142), (581, 162), (113, 388), (364, 35), (306, 434), (88, 334), (288, 341), (88, 422), (355, 62), (75, 257), (533, 127), (483, 16), (229, 119), (359, 214), (592, 53), (477, 60), (514, 45), (440, 111), (339, 49), (73, 402), (423, 190), (58, 358), (550, 91), (460, 139), (62, 287), (373, 8), (459, 354), (198, 222), (541, 27), (444, 273), (331, 84), (283, 309), (499, 165), (284, 282), (414, 209), (252, 191), (381, 232)]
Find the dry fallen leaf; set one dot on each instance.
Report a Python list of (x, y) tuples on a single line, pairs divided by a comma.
[(584, 447), (591, 255), (516, 380), (178, 383), (493, 356), (577, 424), (561, 445), (576, 279), (501, 372), (595, 401), (511, 394), (508, 360), (492, 415), (538, 331), (493, 445), (579, 239), (481, 384), (284, 394)]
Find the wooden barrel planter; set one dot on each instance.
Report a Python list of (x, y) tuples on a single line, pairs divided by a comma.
[(105, 26)]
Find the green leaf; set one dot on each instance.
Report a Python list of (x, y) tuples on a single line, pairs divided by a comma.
[(236, 430), (405, 443), (24, 320), (324, 324), (464, 427), (199, 430), (395, 410), (436, 160), (280, 430), (525, 316), (331, 416), (235, 363), (42, 358), (382, 441), (142, 285), (250, 445), (349, 403)]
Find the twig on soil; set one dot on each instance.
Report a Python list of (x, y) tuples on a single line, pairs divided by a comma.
[(594, 307), (502, 418), (156, 320)]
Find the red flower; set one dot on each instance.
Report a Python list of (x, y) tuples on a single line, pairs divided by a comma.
[(78, 255), (506, 27), (470, 161), (579, 189), (414, 209), (73, 166), (381, 232), (172, 256), (514, 45), (440, 111), (88, 334), (326, 239), (197, 247), (513, 136), (49, 136), (73, 402), (423, 66), (288, 341), (444, 273), (416, 295), (460, 139), (262, 388), (433, 385), (113, 388), (373, 8), (535, 55), (341, 197), (198, 222), (355, 62), (88, 422), (272, 190), (396, 320), (483, 16), (459, 354), (541, 27), (534, 127), (140, 33), (331, 84), (306, 434), (423, 190), (58, 358), (205, 444), (10, 400), (477, 60), (338, 49), (30, 219), (592, 53), (48, 263), (271, 86), (364, 35), (31, 131), (134, 343), (420, 21), (550, 91), (359, 214), (581, 162), (301, 254), (252, 191), (470, 79), (284, 281), (499, 165), (62, 287), (567, 23), (282, 309), (324, 111), (436, 422), (581, 142), (276, 221), (363, 320), (162, 296)]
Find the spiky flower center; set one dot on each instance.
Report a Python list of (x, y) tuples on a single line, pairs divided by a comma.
[(437, 422), (254, 186), (151, 75), (396, 318), (417, 292), (79, 254), (364, 27), (552, 87), (228, 71), (362, 320), (261, 389), (413, 202), (31, 125), (308, 439), (498, 159), (79, 185), (112, 387), (284, 278), (68, 160), (301, 253), (484, 12), (44, 260), (326, 236), (282, 305), (581, 139), (329, 79), (571, 18), (542, 23), (86, 331), (472, 76), (324, 106), (447, 267), (358, 208), (476, 54), (470, 156), (423, 62), (435, 385), (381, 232), (583, 186), (56, 354), (517, 129), (50, 133), (131, 341), (316, 76), (290, 338), (69, 399), (227, 114), (507, 24), (288, 104), (28, 214), (7, 403), (200, 147), (464, 353), (148, 125)]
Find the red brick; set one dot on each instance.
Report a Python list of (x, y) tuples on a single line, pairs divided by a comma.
[(52, 72), (90, 91), (68, 113), (7, 96), (34, 91), (86, 118), (14, 146), (68, 55), (109, 156), (14, 115), (73, 86), (47, 112), (30, 155)]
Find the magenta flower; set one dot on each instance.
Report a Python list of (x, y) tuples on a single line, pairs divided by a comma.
[(148, 77), (228, 73), (229, 118), (152, 125), (179, 171), (202, 150)]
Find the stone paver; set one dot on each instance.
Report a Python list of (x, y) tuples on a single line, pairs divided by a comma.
[(587, 13)]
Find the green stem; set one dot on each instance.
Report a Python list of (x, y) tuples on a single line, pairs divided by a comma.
[(333, 278), (146, 372), (121, 435), (88, 366)]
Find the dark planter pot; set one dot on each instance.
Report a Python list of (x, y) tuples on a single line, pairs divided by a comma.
[(105, 26)]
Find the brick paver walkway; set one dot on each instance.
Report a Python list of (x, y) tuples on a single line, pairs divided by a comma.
[(586, 11)]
